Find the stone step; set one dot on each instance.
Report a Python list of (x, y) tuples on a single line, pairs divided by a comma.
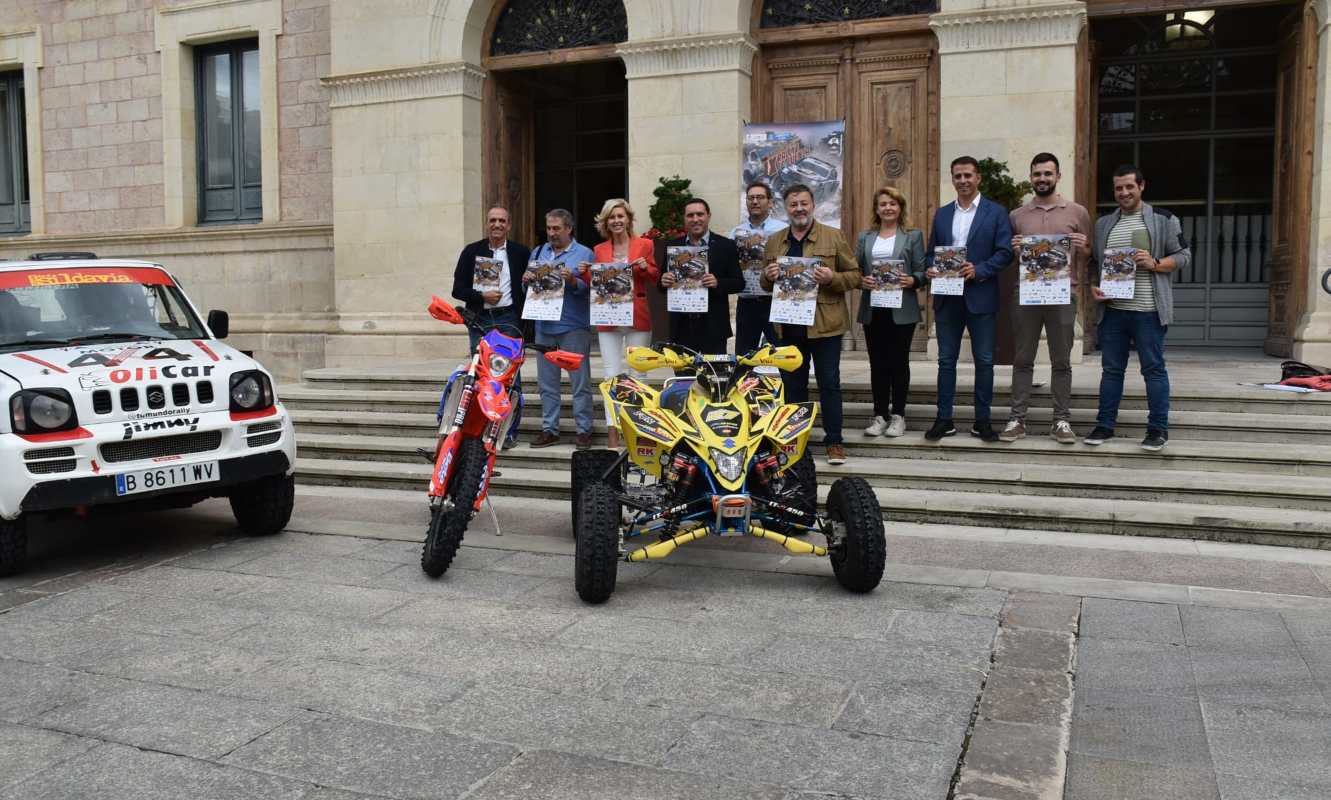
[(395, 391), (1072, 480), (326, 416), (1237, 523)]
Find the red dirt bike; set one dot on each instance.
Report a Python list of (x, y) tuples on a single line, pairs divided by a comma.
[(475, 414)]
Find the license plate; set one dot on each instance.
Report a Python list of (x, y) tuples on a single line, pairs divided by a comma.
[(734, 512), (155, 479)]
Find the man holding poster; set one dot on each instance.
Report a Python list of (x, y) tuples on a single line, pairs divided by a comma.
[(980, 226), (1047, 214), (754, 305), (837, 274), (705, 331)]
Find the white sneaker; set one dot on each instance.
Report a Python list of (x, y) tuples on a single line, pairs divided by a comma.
[(876, 427), (897, 427)]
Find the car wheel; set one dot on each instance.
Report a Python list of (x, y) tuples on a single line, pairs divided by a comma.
[(859, 558), (263, 507), (597, 552), (587, 468), (13, 546)]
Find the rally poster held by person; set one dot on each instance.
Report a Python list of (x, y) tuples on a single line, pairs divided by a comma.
[(888, 332), (706, 332), (622, 245), (502, 307), (982, 227), (754, 306), (820, 342)]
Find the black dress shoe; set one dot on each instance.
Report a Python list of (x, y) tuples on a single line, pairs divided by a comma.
[(984, 431), (941, 428)]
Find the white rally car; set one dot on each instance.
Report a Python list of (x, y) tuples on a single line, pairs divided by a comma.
[(116, 392)]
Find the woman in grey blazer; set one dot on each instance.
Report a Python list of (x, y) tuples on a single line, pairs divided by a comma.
[(888, 331)]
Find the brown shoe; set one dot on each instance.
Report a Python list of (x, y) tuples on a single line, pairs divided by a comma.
[(545, 439), (836, 454), (583, 441)]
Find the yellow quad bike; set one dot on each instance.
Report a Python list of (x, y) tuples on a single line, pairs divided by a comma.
[(719, 453)]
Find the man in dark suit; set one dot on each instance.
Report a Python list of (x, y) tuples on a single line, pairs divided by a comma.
[(500, 308), (983, 227), (706, 333)]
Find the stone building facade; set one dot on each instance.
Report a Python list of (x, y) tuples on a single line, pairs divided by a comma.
[(386, 128)]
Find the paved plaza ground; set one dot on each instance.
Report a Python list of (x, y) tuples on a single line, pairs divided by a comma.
[(161, 657)]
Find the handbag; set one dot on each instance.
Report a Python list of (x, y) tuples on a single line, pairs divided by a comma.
[(1298, 369)]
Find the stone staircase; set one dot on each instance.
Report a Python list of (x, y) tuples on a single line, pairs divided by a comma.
[(1243, 464)]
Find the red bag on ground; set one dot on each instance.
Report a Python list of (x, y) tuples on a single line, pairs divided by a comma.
[(1321, 383)]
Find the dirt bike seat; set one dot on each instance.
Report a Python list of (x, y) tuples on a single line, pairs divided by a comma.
[(674, 396)]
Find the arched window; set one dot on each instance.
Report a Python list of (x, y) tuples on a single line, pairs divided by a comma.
[(786, 13), (533, 26)]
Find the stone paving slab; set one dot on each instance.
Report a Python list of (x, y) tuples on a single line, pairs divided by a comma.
[(1143, 728), (1124, 619), (1147, 667), (1269, 745), (1275, 679), (542, 773), (372, 758), (919, 710), (1102, 778), (27, 689), (689, 641), (1041, 611), (181, 721), (1238, 787), (481, 616), (27, 751), (829, 761), (864, 659), (1234, 629), (188, 663)]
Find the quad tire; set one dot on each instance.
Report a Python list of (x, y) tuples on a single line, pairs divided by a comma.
[(447, 526), (859, 559), (13, 546), (263, 507), (587, 468), (597, 537)]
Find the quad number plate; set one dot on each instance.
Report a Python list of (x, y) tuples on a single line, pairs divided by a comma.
[(152, 480)]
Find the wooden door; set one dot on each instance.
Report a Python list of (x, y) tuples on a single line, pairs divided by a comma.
[(1295, 83), (509, 153)]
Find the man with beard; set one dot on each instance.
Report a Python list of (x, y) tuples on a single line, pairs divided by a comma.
[(707, 332), (754, 307), (820, 342), (495, 309), (1046, 213)]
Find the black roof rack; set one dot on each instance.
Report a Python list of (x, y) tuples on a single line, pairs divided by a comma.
[(63, 255)]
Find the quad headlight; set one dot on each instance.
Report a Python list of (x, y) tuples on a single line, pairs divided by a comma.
[(728, 465), (42, 411), (251, 391)]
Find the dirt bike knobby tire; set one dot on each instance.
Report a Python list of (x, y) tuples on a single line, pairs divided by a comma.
[(596, 558), (859, 562), (263, 507), (444, 536), (13, 546)]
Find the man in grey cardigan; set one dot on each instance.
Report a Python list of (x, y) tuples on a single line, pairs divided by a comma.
[(1160, 248)]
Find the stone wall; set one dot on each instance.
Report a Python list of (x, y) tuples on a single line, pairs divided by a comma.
[(305, 139)]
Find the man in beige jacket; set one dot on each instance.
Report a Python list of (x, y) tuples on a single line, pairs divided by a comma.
[(821, 341)]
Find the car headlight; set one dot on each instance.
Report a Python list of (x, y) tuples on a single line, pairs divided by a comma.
[(728, 465), (498, 364), (251, 391), (42, 411)]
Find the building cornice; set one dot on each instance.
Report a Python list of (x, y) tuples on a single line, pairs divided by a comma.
[(405, 83), (652, 58), (984, 30)]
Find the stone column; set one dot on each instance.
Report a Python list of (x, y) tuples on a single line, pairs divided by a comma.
[(688, 98), (1008, 90), (1312, 334)]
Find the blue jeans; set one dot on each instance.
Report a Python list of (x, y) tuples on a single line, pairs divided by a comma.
[(826, 355), (1118, 331), (547, 377), (950, 319), (751, 321), (506, 317)]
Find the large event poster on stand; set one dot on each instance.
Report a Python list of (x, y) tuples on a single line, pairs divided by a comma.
[(795, 292), (612, 293), (781, 154), (1046, 270), (545, 292), (688, 265), (947, 262)]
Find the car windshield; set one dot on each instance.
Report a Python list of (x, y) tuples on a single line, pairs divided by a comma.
[(59, 307)]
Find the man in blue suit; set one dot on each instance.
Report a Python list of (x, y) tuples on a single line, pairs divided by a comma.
[(983, 227)]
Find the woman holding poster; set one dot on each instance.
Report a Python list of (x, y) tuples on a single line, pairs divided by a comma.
[(618, 297), (891, 256)]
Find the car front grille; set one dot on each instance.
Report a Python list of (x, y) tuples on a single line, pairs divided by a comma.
[(159, 446), (101, 402), (49, 460), (264, 433)]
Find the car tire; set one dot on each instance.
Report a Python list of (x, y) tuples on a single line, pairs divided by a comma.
[(263, 507), (447, 527), (859, 559), (596, 557), (587, 468), (13, 546)]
